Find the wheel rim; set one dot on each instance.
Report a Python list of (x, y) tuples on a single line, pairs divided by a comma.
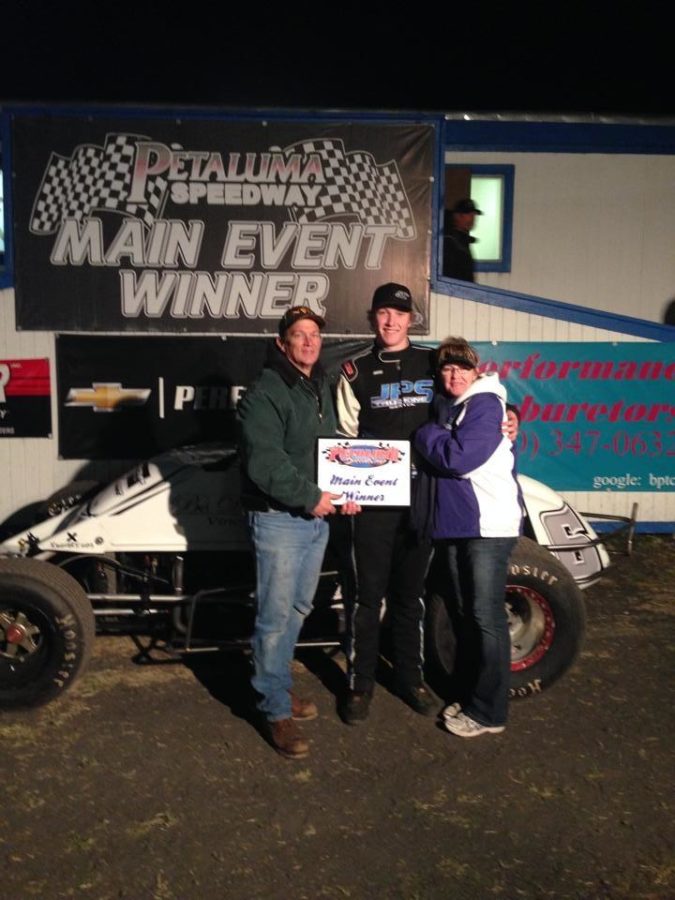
[(19, 636), (23, 645), (531, 626)]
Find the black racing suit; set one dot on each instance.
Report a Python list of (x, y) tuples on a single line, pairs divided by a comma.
[(386, 394)]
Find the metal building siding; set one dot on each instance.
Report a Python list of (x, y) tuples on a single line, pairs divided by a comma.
[(591, 229), (483, 322), (652, 506), (30, 467)]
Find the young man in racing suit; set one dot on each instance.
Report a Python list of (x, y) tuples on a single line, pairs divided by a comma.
[(385, 393)]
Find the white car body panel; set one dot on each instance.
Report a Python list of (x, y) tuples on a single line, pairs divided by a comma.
[(188, 499)]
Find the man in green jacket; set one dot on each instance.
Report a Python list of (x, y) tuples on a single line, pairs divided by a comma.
[(280, 418)]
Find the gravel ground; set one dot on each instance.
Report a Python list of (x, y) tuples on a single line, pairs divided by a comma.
[(153, 781)]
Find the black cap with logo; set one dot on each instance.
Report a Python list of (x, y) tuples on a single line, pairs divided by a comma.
[(396, 296)]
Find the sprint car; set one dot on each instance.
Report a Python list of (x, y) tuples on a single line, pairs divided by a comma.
[(163, 552)]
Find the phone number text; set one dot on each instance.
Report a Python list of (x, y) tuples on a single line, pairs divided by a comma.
[(589, 442)]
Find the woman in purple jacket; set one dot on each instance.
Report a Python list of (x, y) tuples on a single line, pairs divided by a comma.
[(474, 517)]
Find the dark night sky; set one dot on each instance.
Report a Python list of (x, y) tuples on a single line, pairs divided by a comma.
[(557, 58)]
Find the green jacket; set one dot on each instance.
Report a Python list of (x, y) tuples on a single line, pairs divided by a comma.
[(279, 420)]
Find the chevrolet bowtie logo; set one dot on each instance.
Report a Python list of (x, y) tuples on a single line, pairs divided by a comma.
[(107, 396)]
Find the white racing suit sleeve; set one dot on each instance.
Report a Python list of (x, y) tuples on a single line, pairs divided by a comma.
[(348, 408)]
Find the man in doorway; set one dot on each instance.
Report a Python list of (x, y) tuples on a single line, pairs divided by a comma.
[(458, 261)]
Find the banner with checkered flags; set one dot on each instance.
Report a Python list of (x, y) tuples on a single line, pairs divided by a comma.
[(216, 225), (94, 179), (356, 185)]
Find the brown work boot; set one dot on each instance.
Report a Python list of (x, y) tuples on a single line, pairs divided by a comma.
[(302, 710), (287, 740)]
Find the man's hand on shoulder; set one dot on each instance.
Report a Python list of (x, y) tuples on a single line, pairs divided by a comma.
[(510, 425)]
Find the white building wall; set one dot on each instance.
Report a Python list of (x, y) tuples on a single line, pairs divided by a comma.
[(31, 469), (596, 230)]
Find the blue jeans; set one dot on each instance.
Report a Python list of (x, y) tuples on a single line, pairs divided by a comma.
[(289, 552), (478, 573)]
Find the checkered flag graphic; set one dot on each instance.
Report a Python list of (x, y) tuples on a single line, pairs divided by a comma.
[(357, 186), (94, 178)]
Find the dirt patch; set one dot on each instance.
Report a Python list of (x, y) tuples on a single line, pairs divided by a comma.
[(153, 781)]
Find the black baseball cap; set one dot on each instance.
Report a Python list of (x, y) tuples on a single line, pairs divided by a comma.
[(397, 296), (294, 314), (466, 206)]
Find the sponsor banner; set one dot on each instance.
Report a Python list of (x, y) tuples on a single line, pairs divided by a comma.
[(594, 416), (166, 225), (372, 473), (128, 398), (132, 397), (25, 398)]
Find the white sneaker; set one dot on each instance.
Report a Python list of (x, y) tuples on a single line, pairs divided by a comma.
[(464, 726), (454, 709)]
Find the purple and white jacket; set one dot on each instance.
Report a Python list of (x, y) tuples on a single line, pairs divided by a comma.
[(472, 465)]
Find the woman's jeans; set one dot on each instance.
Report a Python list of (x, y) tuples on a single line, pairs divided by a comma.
[(478, 573), (289, 552)]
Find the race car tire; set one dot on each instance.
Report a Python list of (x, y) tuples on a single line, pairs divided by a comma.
[(547, 622), (46, 632)]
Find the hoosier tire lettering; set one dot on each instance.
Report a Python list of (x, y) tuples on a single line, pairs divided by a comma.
[(544, 575)]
